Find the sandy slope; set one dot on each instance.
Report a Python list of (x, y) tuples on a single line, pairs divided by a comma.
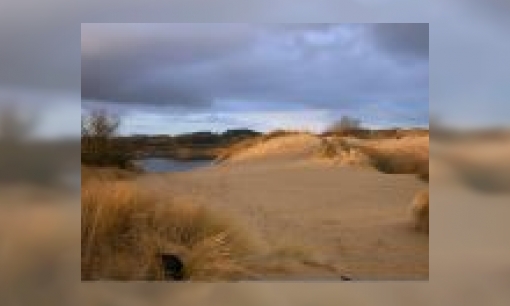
[(282, 149), (347, 220)]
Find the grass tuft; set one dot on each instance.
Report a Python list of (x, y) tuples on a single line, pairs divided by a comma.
[(420, 211), (123, 231)]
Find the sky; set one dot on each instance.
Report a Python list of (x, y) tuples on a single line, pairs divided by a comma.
[(41, 52), (178, 78)]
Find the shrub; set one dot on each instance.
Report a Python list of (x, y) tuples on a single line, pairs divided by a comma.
[(345, 123), (124, 231), (348, 126), (106, 159), (327, 149), (97, 146)]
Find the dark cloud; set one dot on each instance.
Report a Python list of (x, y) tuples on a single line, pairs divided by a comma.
[(296, 65), (119, 61)]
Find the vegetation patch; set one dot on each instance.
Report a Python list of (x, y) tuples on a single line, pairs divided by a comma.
[(420, 211), (125, 232)]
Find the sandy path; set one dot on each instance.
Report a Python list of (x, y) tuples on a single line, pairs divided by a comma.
[(354, 221)]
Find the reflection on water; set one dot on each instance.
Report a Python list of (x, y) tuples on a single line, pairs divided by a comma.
[(170, 165)]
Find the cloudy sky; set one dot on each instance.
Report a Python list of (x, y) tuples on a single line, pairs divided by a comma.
[(307, 69), (174, 78)]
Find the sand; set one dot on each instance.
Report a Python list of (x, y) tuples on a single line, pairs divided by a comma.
[(346, 220)]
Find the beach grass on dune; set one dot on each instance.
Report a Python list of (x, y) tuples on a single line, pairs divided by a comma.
[(123, 231), (393, 156), (420, 211)]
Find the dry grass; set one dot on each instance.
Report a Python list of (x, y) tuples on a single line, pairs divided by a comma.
[(289, 145), (240, 146), (397, 162), (408, 155), (106, 174), (123, 231), (328, 149), (420, 211), (361, 133), (243, 145)]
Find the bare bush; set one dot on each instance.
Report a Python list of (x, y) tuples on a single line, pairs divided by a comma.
[(98, 148), (348, 126), (346, 123)]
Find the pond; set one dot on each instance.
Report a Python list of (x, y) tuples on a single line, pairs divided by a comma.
[(157, 165)]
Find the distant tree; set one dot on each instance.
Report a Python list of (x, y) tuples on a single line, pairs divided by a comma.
[(98, 130), (99, 124), (346, 123)]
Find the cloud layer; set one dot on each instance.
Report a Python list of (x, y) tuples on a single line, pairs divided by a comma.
[(242, 67)]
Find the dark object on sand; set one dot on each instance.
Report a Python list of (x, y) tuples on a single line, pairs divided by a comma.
[(173, 266), (345, 278)]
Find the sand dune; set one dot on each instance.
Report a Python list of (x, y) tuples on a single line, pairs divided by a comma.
[(285, 148), (312, 220), (408, 154)]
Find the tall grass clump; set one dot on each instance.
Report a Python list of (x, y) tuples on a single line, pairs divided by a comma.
[(124, 232), (327, 149), (394, 162), (420, 211)]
